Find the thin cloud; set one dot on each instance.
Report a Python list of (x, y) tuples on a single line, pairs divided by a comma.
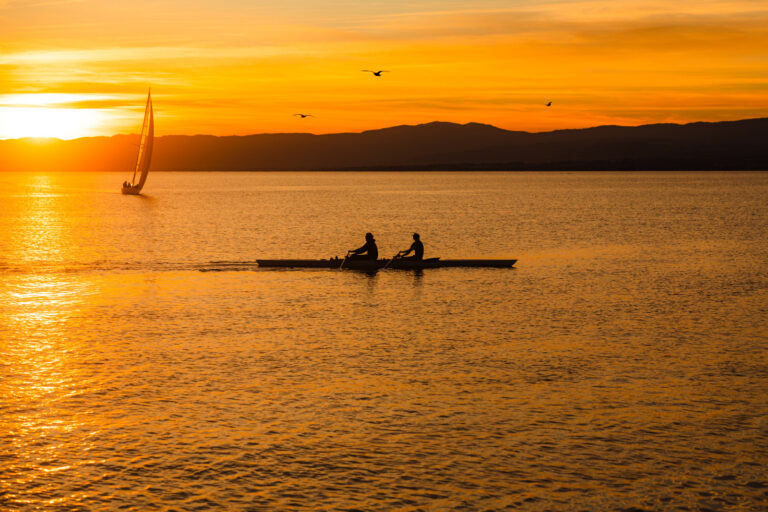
[(64, 100), (172, 53), (5, 4), (559, 27)]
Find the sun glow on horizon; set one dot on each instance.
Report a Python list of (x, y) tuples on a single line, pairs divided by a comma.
[(61, 123)]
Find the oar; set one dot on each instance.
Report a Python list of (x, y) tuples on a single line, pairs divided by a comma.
[(343, 262), (390, 261)]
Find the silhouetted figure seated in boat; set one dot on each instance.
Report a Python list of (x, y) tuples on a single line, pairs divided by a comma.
[(417, 248), (367, 252), (126, 185)]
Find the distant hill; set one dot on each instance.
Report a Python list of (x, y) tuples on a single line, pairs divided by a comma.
[(432, 146)]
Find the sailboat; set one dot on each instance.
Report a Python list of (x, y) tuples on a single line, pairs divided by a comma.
[(144, 157)]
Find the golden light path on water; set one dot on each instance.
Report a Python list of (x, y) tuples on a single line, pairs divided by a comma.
[(622, 365), (40, 349)]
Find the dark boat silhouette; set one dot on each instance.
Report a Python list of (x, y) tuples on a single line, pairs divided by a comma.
[(402, 264)]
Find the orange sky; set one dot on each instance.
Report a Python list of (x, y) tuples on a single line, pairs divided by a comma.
[(71, 68)]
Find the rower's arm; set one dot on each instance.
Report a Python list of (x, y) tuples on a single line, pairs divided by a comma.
[(411, 249)]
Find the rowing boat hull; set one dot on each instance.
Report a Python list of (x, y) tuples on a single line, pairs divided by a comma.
[(380, 264)]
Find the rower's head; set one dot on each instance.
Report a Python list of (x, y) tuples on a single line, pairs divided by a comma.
[(415, 236), (369, 236)]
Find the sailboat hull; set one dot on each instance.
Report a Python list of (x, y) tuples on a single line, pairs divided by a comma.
[(131, 191)]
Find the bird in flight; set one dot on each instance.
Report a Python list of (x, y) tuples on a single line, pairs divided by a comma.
[(549, 104), (375, 73), (304, 115)]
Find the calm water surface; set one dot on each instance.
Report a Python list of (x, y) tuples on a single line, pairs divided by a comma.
[(146, 365)]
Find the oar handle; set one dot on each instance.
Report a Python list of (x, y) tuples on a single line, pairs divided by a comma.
[(391, 260), (344, 260)]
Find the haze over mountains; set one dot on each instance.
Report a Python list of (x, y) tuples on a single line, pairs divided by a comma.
[(737, 145)]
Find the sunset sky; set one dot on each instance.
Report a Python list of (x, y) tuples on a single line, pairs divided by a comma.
[(71, 68)]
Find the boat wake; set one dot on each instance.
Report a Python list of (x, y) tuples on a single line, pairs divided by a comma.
[(228, 266)]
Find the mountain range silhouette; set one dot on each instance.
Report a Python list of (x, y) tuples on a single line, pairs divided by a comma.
[(727, 145)]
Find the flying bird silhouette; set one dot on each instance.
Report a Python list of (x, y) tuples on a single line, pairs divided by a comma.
[(304, 115), (375, 73), (549, 104)]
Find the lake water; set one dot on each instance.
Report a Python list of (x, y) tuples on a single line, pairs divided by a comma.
[(146, 365)]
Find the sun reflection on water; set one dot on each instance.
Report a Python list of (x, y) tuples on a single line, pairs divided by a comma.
[(45, 375), (40, 234), (39, 349)]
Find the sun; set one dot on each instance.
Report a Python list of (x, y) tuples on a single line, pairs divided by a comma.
[(62, 123)]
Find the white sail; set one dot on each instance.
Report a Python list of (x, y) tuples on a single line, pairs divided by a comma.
[(144, 158), (145, 145)]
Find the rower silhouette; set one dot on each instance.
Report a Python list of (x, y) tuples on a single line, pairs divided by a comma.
[(417, 248), (369, 251)]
